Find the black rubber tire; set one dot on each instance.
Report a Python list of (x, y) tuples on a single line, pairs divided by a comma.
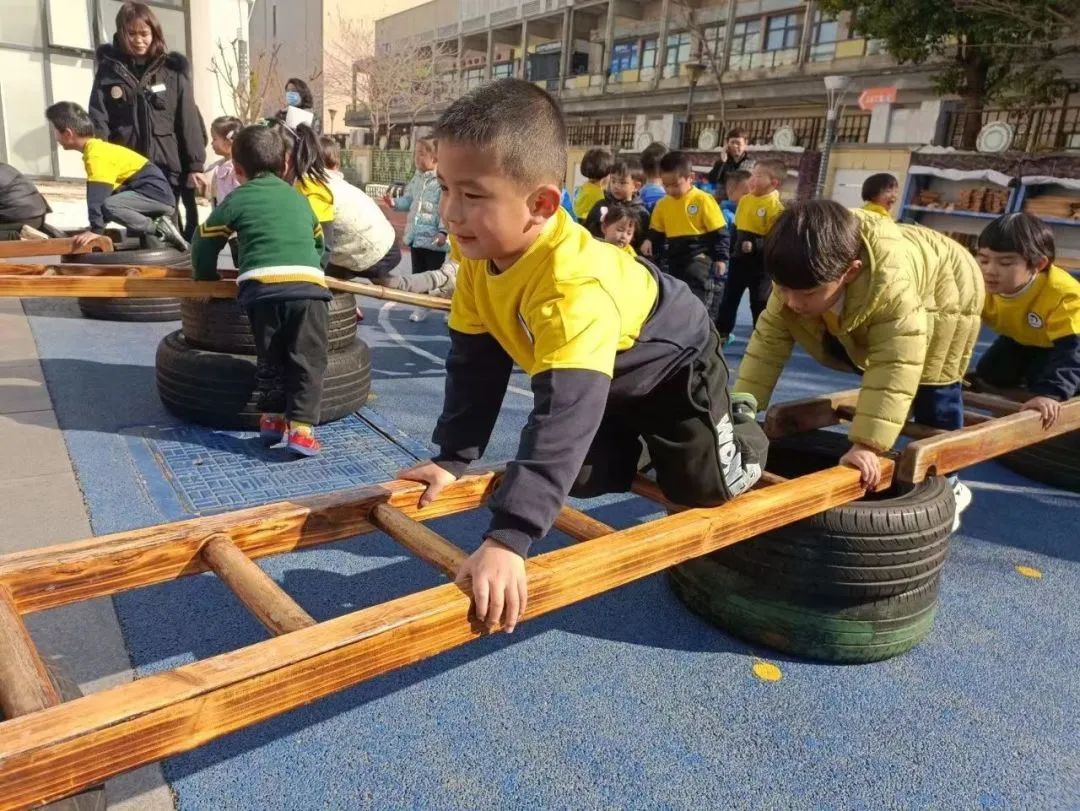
[(829, 631), (131, 309), (220, 325), (216, 389), (93, 798), (884, 544), (1055, 462)]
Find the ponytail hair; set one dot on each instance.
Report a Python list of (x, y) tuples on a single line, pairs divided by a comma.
[(226, 126), (305, 153)]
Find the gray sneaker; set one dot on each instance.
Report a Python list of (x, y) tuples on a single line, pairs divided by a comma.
[(164, 228)]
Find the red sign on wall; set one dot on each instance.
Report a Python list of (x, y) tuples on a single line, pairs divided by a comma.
[(876, 95)]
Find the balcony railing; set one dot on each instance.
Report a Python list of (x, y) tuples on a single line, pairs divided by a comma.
[(853, 128), (1039, 129), (616, 135)]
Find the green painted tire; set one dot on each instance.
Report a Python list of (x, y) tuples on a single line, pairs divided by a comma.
[(828, 631)]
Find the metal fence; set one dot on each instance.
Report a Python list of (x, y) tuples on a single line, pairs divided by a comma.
[(852, 128), (1037, 129), (616, 135), (391, 165)]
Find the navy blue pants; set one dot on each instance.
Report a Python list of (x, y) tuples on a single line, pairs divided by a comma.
[(939, 406)]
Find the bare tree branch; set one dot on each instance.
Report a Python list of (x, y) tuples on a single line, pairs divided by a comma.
[(248, 98), (708, 52)]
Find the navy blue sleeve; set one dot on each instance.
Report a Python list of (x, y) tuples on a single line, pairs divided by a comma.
[(477, 373), (96, 195), (568, 407), (1060, 377), (720, 249)]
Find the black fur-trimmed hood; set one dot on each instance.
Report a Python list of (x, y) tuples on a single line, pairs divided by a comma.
[(112, 51)]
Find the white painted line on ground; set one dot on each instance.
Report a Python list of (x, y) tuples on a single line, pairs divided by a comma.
[(1020, 489), (401, 340)]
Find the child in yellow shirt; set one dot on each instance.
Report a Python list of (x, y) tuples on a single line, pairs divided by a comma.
[(595, 166), (880, 193), (754, 218), (1034, 306)]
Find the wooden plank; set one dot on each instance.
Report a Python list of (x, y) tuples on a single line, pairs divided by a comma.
[(909, 429), (92, 271), (996, 404), (955, 450), (264, 598), (646, 488), (25, 686), (61, 750), (53, 576), (800, 416), (109, 287), (580, 526), (389, 294), (16, 248), (768, 479), (422, 541)]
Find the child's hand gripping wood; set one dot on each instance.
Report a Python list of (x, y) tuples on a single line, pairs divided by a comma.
[(865, 460), (499, 584), (1048, 407)]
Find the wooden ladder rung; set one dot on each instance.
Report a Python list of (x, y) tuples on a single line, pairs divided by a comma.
[(909, 429), (425, 543), (580, 526), (997, 405), (25, 686), (253, 587)]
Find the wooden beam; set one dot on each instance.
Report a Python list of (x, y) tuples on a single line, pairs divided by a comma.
[(61, 750), (25, 686), (389, 294), (955, 450), (996, 404), (909, 429), (16, 248), (91, 271), (57, 575), (109, 287), (646, 488), (264, 598), (422, 541), (800, 416), (580, 526)]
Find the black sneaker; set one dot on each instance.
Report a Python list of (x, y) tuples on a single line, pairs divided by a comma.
[(164, 228), (150, 242)]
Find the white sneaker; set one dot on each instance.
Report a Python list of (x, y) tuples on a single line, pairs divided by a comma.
[(962, 496), (418, 315)]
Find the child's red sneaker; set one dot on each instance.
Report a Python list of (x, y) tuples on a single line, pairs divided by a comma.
[(302, 441), (272, 428)]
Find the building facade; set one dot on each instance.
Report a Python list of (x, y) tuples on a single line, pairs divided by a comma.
[(47, 55), (628, 71)]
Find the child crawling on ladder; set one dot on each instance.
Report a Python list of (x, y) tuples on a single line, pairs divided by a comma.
[(622, 358)]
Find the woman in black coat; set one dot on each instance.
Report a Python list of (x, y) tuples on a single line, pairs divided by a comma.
[(142, 98)]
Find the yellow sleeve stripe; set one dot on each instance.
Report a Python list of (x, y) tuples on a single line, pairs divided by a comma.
[(317, 231), (208, 231)]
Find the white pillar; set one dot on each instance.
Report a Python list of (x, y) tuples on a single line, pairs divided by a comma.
[(879, 124)]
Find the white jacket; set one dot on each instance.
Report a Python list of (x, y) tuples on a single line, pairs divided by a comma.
[(362, 234)]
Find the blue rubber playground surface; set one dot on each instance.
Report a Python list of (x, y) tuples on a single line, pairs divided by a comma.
[(624, 701)]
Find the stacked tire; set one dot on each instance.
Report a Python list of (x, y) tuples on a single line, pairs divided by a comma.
[(206, 370), (131, 309), (857, 583), (1054, 461)]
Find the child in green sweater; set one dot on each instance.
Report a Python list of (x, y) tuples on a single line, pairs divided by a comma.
[(282, 286)]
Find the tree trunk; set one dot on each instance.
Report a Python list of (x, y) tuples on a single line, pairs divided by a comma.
[(973, 94)]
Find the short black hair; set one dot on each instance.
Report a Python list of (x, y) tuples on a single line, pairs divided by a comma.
[(517, 121), (597, 163), (650, 158), (259, 150), (878, 184), (811, 243), (1020, 233), (736, 132), (736, 176), (331, 152), (774, 168), (618, 210), (628, 167), (677, 162), (67, 115)]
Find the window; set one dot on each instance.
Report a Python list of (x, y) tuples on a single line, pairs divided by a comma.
[(783, 32), (745, 42), (824, 35), (648, 53), (624, 56), (502, 70), (473, 77), (712, 42), (678, 53)]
